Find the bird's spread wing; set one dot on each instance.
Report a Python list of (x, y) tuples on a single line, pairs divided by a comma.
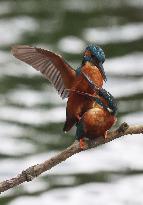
[(51, 65)]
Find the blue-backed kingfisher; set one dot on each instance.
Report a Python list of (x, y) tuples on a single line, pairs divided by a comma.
[(65, 78)]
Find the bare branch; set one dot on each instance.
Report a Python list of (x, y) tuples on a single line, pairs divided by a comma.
[(34, 171)]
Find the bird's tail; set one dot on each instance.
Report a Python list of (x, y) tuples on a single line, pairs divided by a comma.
[(69, 124)]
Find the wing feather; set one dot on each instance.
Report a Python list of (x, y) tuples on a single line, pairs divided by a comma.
[(51, 65)]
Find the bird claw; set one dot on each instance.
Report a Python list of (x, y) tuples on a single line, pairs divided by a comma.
[(83, 144)]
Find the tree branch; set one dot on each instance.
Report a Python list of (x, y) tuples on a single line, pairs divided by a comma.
[(34, 171)]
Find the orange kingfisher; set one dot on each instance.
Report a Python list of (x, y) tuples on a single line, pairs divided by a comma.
[(96, 121), (65, 78)]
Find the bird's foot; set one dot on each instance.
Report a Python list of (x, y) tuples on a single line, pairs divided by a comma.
[(83, 144)]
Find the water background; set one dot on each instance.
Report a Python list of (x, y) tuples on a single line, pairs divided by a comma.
[(32, 114)]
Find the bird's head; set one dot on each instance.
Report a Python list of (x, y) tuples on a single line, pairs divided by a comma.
[(95, 55)]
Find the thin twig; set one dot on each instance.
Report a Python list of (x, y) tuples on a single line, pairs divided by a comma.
[(34, 171)]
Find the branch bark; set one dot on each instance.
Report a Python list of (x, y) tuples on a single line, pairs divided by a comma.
[(34, 171)]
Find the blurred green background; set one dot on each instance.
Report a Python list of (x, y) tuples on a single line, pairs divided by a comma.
[(32, 114)]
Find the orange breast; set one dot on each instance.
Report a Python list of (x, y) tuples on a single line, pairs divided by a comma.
[(93, 73)]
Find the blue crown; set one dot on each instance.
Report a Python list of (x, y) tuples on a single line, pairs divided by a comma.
[(96, 51)]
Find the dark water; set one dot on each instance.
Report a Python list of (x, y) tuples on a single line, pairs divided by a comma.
[(32, 114)]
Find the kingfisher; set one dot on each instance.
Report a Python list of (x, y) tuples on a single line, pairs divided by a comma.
[(96, 121), (92, 66), (65, 79)]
